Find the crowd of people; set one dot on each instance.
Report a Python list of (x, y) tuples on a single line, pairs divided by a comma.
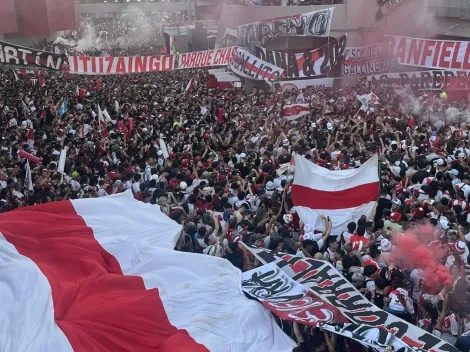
[(118, 34), (220, 172), (286, 2)]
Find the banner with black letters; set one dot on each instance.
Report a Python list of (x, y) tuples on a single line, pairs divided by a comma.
[(366, 60), (313, 63), (425, 80), (369, 324), (249, 66)]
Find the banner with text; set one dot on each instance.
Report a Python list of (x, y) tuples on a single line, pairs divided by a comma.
[(315, 24), (331, 287), (387, 6), (88, 65), (365, 60), (305, 84), (246, 65), (291, 301), (16, 55), (432, 79), (436, 54), (217, 57), (313, 63)]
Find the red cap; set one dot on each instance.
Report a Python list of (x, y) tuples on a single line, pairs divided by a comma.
[(206, 136), (399, 188), (395, 216), (198, 158), (185, 162), (344, 166), (418, 213), (172, 155)]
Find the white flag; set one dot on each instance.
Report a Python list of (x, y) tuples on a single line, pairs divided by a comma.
[(106, 115), (116, 105), (62, 157), (28, 181)]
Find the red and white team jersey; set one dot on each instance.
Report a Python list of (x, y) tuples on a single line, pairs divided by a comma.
[(400, 302), (416, 278), (427, 181), (462, 203), (451, 323)]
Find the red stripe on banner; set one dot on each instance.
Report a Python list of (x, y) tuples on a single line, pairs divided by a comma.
[(95, 305), (348, 198)]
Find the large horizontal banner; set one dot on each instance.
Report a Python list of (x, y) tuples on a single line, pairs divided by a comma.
[(429, 53), (216, 57), (305, 84), (16, 55), (316, 24), (313, 63), (433, 79), (88, 65), (332, 288), (291, 301), (246, 65), (387, 6), (365, 60)]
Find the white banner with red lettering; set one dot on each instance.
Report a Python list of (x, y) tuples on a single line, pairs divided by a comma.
[(294, 111), (88, 65), (249, 66), (305, 83), (437, 54), (216, 57)]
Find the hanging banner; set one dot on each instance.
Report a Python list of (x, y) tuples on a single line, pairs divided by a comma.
[(365, 60), (16, 55), (87, 65), (291, 301), (246, 65), (309, 24), (387, 6), (305, 84), (313, 63), (437, 54), (432, 80), (217, 57), (294, 111), (331, 287)]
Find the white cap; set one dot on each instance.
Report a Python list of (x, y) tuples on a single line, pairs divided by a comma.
[(440, 162), (453, 172), (329, 126), (288, 218), (160, 153), (242, 155), (154, 177), (183, 185), (461, 246), (396, 201), (385, 245), (270, 185)]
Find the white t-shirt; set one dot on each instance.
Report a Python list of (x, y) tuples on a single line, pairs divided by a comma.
[(214, 250), (399, 301), (416, 278)]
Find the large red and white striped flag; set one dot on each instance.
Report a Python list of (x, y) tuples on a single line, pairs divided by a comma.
[(294, 111), (102, 275), (343, 195)]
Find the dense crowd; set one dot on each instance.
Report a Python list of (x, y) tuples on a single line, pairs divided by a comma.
[(117, 35), (215, 162), (286, 2)]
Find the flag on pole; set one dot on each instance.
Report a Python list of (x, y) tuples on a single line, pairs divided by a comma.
[(94, 281), (28, 180), (116, 106), (189, 86), (77, 91), (16, 76), (64, 107), (367, 100), (62, 158), (169, 48), (343, 195), (106, 115), (294, 111), (98, 84), (41, 80)]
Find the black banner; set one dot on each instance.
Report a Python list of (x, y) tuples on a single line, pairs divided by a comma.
[(313, 63), (19, 56)]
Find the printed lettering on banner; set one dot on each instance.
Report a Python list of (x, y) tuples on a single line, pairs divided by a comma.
[(309, 64), (331, 287), (246, 65), (316, 23), (430, 80), (305, 84), (16, 55), (120, 65), (436, 54), (387, 6), (366, 60), (217, 57)]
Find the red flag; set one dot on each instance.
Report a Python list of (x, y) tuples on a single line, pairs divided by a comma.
[(123, 128), (30, 157), (42, 81), (130, 122), (99, 83)]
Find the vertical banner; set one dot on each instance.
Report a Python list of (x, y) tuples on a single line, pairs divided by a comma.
[(387, 6), (316, 24)]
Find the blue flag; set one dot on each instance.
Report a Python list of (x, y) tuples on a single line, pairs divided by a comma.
[(63, 108)]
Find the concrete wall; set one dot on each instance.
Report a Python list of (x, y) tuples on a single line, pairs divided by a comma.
[(133, 8)]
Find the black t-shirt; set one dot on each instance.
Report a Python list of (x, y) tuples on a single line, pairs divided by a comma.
[(236, 259), (244, 170), (382, 204)]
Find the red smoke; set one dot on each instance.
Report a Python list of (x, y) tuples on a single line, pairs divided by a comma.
[(413, 252)]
